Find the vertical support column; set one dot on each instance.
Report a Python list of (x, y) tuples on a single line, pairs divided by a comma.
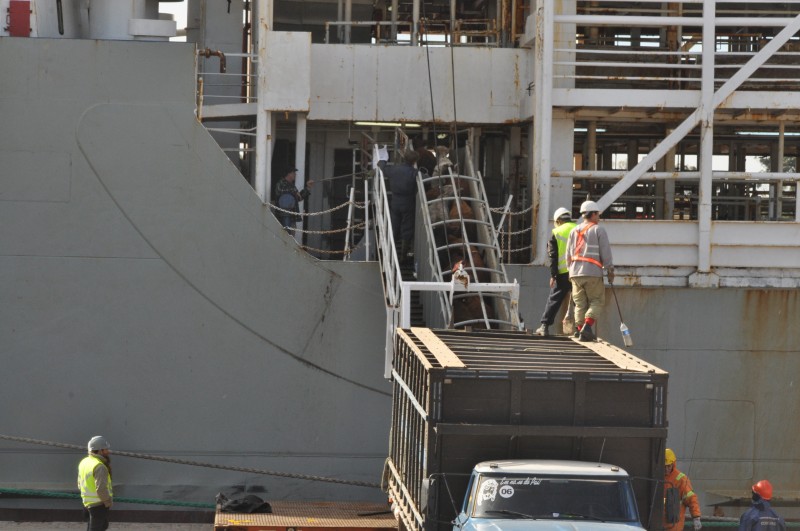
[(339, 18), (658, 186), (502, 17), (591, 146), (607, 162), (300, 152), (706, 139), (348, 18), (669, 184), (300, 164), (452, 21), (594, 31), (395, 7), (543, 123), (632, 153), (474, 140), (515, 141), (415, 23), (263, 178), (779, 184)]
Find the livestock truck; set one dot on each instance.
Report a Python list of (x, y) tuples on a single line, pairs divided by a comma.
[(505, 430)]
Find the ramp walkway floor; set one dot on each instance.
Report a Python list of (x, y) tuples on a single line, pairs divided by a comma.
[(116, 526)]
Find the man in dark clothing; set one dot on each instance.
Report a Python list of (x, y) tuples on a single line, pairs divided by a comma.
[(403, 185), (288, 199), (560, 286), (761, 517)]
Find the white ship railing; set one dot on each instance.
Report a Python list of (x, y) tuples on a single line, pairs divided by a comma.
[(700, 85)]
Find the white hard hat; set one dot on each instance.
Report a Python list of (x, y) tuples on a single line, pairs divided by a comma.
[(561, 212), (589, 206), (98, 442)]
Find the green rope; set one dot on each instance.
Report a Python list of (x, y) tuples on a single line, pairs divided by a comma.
[(732, 523), (75, 495)]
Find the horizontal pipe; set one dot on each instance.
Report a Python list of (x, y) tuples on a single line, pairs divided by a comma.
[(680, 176), (617, 20)]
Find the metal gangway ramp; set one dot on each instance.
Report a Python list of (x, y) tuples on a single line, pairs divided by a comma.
[(479, 281), (457, 243)]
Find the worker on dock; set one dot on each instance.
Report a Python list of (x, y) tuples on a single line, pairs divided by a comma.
[(560, 285), (678, 496), (588, 253), (760, 516), (94, 483)]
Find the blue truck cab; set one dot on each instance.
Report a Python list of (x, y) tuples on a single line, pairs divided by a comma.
[(543, 494)]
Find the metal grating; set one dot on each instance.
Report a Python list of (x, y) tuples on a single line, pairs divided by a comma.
[(311, 515), (486, 351)]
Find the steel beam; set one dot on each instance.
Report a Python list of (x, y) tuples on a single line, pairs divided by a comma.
[(689, 123)]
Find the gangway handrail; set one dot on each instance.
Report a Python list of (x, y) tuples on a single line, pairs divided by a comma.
[(398, 291), (512, 288), (491, 235)]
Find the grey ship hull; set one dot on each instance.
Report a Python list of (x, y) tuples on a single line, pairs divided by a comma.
[(148, 296)]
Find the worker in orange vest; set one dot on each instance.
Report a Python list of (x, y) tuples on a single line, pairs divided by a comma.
[(588, 256), (678, 496)]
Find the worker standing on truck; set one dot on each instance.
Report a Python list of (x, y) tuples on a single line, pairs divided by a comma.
[(760, 516), (94, 482), (560, 286), (678, 496), (588, 253)]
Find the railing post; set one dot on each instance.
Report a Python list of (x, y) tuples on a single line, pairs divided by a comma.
[(349, 225), (366, 219)]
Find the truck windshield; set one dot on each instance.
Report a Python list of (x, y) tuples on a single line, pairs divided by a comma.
[(530, 496)]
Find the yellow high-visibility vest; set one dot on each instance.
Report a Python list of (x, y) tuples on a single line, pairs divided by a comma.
[(86, 482), (562, 234)]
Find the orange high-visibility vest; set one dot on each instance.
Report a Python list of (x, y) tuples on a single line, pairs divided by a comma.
[(579, 245)]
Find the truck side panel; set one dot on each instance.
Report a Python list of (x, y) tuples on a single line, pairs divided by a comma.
[(557, 400)]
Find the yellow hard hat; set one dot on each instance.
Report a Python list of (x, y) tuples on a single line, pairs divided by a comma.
[(669, 457)]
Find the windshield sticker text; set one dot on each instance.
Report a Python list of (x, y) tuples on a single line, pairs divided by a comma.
[(506, 491), (520, 481)]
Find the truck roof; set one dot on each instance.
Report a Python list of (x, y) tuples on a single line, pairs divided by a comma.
[(546, 466), (511, 350)]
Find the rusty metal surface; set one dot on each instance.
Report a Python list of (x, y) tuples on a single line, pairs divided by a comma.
[(308, 515), (519, 351)]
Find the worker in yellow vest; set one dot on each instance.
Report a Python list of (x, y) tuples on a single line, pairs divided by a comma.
[(560, 285), (94, 482)]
